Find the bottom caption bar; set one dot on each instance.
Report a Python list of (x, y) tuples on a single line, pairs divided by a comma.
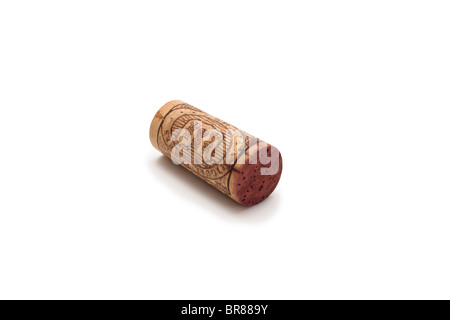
[(223, 309)]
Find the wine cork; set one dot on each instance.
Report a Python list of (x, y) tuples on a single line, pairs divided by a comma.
[(239, 165)]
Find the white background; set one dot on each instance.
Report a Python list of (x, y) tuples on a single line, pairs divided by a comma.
[(355, 94)]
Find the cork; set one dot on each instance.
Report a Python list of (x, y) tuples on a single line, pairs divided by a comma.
[(247, 172)]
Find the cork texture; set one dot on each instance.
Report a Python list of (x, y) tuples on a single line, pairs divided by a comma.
[(243, 182)]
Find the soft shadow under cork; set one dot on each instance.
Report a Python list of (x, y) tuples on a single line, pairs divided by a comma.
[(184, 184)]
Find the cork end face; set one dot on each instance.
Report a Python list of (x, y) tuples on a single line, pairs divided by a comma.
[(250, 185), (157, 120)]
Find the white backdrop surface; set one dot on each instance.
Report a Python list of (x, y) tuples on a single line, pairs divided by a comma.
[(355, 94)]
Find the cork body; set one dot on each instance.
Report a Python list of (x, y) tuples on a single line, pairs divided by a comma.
[(236, 175)]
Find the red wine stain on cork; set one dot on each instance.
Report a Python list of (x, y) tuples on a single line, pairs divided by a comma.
[(252, 187)]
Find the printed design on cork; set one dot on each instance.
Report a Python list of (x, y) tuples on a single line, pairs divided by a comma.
[(183, 116)]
